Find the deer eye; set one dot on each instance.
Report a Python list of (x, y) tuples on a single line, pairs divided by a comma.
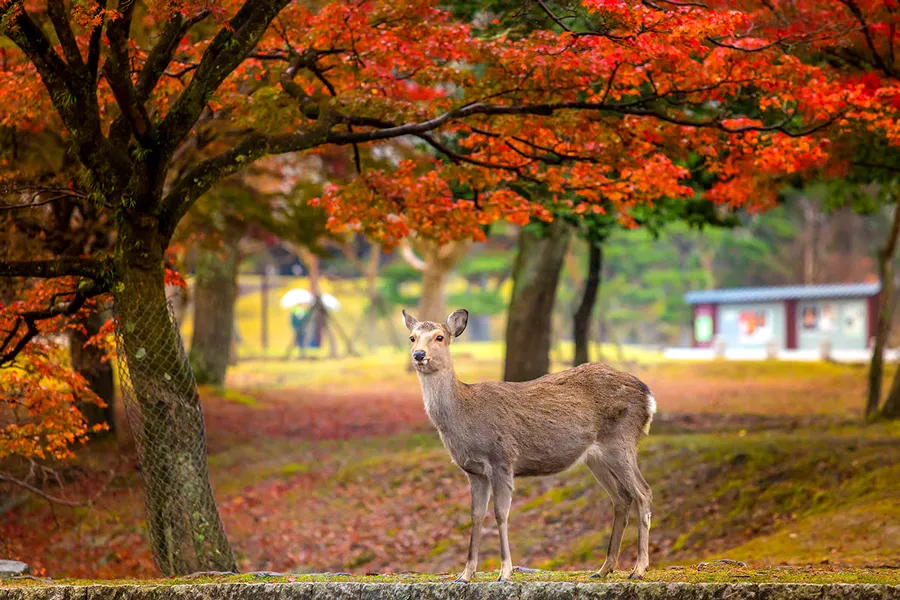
[(439, 338), (412, 338)]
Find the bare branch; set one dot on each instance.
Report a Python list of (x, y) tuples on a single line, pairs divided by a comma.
[(410, 256), (56, 499)]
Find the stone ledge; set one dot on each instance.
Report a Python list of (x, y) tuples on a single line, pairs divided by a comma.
[(458, 591)]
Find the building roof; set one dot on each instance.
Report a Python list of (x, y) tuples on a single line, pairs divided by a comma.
[(787, 292)]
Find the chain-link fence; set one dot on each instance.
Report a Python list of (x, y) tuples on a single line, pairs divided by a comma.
[(163, 409)]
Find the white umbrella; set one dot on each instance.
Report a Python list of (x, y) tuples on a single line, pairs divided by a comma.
[(296, 297), (330, 302)]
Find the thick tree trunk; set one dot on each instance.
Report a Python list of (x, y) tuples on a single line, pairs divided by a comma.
[(891, 408), (165, 415), (582, 319), (885, 315), (215, 294), (535, 277), (90, 364), (432, 304)]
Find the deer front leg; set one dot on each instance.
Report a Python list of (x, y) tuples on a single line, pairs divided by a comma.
[(502, 483), (481, 493)]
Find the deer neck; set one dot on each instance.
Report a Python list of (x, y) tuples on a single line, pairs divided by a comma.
[(439, 392)]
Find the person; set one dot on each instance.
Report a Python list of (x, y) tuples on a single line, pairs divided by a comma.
[(298, 323)]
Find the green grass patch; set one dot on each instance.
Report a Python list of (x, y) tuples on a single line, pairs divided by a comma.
[(701, 573)]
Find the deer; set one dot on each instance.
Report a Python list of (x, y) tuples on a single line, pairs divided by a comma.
[(496, 431)]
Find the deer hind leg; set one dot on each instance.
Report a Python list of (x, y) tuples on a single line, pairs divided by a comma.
[(481, 494), (621, 498), (502, 484), (644, 499)]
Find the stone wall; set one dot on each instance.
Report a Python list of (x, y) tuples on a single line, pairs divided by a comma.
[(458, 591)]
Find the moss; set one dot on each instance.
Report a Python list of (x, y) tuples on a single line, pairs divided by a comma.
[(553, 496), (294, 469), (701, 573), (439, 548), (237, 397)]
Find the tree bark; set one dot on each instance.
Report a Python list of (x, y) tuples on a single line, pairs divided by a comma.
[(582, 319), (215, 294), (90, 363), (432, 304), (891, 408), (885, 315), (164, 411), (535, 277)]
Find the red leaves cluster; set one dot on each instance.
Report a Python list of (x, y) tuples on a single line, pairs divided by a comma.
[(39, 391)]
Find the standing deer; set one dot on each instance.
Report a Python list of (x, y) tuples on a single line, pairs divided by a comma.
[(500, 430)]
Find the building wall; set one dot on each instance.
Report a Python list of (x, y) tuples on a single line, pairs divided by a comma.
[(752, 325), (844, 322)]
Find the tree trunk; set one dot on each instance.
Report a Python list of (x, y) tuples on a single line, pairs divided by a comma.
[(164, 411), (215, 294), (535, 277), (432, 305), (582, 318), (90, 363), (436, 263), (885, 315), (891, 408)]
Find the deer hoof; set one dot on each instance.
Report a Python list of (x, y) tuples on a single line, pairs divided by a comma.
[(635, 575), (461, 579), (603, 572)]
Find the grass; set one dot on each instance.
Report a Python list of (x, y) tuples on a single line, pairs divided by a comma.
[(700, 573)]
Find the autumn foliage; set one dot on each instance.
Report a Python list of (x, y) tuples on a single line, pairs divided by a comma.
[(39, 393)]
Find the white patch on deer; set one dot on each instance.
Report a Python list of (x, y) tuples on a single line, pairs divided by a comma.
[(651, 408)]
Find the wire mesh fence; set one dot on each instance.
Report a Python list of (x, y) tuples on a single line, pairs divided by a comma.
[(164, 412)]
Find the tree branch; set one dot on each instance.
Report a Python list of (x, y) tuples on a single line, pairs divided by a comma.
[(60, 267), (117, 73), (228, 49), (195, 182), (410, 256), (29, 37), (161, 54), (478, 108), (56, 10), (93, 60), (867, 34), (55, 499), (56, 309)]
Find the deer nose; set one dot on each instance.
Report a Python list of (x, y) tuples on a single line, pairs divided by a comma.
[(419, 355)]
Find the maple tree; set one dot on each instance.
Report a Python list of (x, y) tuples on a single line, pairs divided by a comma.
[(603, 114)]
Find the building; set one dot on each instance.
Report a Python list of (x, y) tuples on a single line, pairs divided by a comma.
[(791, 317)]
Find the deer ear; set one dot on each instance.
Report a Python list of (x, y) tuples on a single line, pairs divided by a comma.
[(409, 321), (457, 322)]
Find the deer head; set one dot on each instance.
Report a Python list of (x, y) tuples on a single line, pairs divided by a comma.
[(430, 341)]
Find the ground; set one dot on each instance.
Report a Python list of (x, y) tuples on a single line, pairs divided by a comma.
[(333, 466)]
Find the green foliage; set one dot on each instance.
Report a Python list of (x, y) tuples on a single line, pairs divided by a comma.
[(493, 264), (479, 302)]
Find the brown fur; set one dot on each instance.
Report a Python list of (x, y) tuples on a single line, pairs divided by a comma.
[(498, 430)]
